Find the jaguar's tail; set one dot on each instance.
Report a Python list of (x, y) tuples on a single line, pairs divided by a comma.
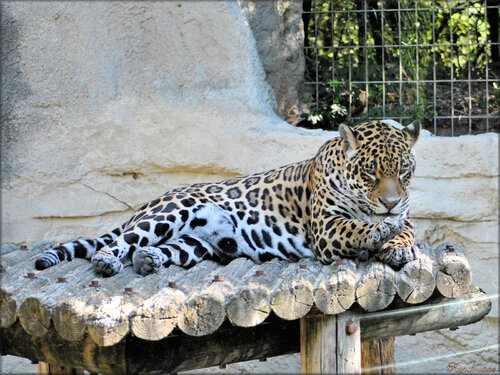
[(78, 248)]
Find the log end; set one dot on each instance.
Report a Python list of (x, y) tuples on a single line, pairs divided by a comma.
[(415, 282), (453, 279), (335, 295), (67, 323), (376, 288), (201, 315), (293, 301), (154, 322), (34, 317), (105, 334), (249, 307), (7, 312)]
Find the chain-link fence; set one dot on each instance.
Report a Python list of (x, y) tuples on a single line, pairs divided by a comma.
[(437, 61)]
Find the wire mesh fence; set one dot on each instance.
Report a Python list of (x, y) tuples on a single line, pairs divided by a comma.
[(437, 61)]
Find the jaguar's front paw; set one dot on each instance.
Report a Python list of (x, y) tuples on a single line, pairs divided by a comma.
[(106, 265), (147, 261), (397, 255), (386, 230)]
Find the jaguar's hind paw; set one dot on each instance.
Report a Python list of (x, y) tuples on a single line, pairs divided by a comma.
[(105, 265), (146, 261)]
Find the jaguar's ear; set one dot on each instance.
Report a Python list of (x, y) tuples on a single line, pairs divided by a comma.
[(350, 140), (412, 132)]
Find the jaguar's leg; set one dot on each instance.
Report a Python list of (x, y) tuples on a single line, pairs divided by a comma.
[(185, 251), (401, 249), (209, 223), (78, 248), (340, 237), (156, 229)]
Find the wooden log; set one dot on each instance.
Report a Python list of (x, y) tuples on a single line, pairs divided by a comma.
[(108, 333), (107, 310), (8, 248), (34, 318), (21, 278), (335, 291), (451, 268), (376, 287), (156, 316), (19, 286), (7, 311), (15, 267), (415, 282), (117, 306), (8, 303), (10, 298), (454, 276), (65, 299), (250, 305), (190, 282), (330, 344), (377, 357), (11, 284), (437, 313), (69, 325), (36, 310), (204, 310), (295, 296), (13, 255)]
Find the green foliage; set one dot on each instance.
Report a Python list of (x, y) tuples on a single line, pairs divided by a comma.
[(352, 52)]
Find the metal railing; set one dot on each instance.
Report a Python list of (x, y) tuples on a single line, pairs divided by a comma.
[(431, 60)]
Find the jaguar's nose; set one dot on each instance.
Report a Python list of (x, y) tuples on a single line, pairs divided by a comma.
[(389, 203)]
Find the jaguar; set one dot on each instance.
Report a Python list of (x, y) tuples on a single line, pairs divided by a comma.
[(349, 201)]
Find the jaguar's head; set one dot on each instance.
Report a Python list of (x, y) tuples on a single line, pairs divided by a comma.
[(379, 165)]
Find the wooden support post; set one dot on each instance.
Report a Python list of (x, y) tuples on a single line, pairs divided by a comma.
[(330, 344), (44, 368), (377, 357), (348, 343), (318, 345)]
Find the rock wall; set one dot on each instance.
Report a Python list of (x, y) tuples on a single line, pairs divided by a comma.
[(109, 104), (455, 197), (279, 32)]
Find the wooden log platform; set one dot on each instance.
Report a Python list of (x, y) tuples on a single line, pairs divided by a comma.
[(66, 315), (230, 344)]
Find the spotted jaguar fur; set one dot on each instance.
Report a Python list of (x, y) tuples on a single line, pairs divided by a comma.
[(350, 199)]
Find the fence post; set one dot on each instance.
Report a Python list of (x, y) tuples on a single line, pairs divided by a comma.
[(330, 344), (44, 368), (377, 357)]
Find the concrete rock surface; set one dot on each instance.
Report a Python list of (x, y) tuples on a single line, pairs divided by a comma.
[(109, 104), (279, 32)]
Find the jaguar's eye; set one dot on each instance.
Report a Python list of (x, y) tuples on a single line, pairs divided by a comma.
[(371, 174), (404, 174)]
